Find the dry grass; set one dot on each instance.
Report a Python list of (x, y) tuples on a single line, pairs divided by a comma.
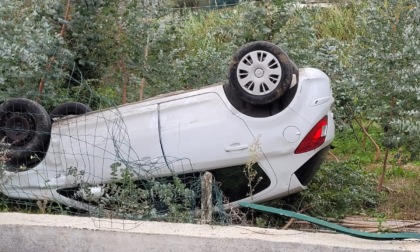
[(401, 189), (339, 21), (403, 194)]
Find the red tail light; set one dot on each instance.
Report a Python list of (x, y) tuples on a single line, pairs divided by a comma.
[(315, 137)]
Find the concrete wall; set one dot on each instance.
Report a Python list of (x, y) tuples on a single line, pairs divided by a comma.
[(23, 232)]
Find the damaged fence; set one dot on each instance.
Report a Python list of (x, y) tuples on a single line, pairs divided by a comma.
[(75, 161)]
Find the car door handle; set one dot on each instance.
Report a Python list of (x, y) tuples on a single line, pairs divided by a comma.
[(236, 147)]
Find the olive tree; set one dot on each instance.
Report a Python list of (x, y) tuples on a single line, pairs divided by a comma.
[(385, 70), (33, 58)]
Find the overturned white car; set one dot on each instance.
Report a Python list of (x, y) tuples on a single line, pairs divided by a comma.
[(268, 106)]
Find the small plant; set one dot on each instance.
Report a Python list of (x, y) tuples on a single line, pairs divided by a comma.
[(3, 156), (42, 205), (250, 173), (73, 171), (133, 198)]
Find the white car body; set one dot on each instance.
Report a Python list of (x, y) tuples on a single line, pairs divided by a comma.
[(186, 132)]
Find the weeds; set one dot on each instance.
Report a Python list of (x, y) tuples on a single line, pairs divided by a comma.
[(249, 170), (3, 156), (403, 198), (342, 188), (3, 204), (339, 21), (128, 197)]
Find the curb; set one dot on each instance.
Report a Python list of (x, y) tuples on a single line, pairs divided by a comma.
[(36, 232)]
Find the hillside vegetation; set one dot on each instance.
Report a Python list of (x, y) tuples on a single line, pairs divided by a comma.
[(123, 51)]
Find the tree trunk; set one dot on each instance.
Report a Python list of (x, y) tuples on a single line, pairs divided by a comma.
[(143, 80), (123, 69), (378, 150), (382, 177), (66, 17)]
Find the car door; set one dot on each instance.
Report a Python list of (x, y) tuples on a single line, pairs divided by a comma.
[(127, 135), (200, 133)]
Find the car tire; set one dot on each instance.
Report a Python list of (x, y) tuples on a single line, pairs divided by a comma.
[(70, 108), (260, 72), (25, 132)]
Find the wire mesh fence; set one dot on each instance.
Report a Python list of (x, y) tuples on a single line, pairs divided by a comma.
[(78, 161)]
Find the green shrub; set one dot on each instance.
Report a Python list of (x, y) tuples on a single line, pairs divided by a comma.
[(337, 190)]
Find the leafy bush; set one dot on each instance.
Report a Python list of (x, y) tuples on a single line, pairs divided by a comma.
[(151, 199), (342, 188), (30, 50), (338, 189), (385, 69)]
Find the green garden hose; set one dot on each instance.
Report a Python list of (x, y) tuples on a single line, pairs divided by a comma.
[(335, 227)]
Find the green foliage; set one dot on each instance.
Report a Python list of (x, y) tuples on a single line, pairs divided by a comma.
[(30, 49), (339, 21), (386, 71), (201, 45), (350, 142), (338, 189), (370, 49), (300, 46), (398, 171), (127, 197)]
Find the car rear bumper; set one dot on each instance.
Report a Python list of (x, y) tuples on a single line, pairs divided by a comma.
[(307, 171)]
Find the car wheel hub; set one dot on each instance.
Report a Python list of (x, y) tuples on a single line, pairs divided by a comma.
[(18, 129), (259, 73)]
